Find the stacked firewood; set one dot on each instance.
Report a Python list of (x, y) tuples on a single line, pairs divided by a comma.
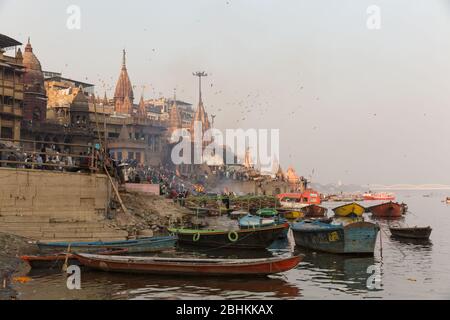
[(250, 203)]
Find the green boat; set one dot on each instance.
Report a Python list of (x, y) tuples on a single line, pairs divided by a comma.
[(258, 238), (267, 212)]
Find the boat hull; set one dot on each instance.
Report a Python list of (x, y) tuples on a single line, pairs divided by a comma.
[(257, 238), (314, 211), (349, 210), (355, 238), (293, 214), (190, 267), (56, 261), (132, 246), (411, 233), (387, 210)]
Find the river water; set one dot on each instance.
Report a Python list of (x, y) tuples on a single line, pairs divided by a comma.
[(407, 270)]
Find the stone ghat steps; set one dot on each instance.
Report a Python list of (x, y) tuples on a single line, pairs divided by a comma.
[(51, 229), (104, 235), (72, 215)]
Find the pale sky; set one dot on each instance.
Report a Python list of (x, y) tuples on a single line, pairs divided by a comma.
[(356, 105)]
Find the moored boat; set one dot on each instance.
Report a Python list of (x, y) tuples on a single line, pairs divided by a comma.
[(378, 196), (411, 233), (187, 266), (267, 212), (238, 214), (349, 210), (299, 200), (314, 211), (152, 244), (257, 238), (293, 214), (57, 260), (387, 210), (251, 221), (354, 238)]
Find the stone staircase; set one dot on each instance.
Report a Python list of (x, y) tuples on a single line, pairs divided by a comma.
[(47, 228)]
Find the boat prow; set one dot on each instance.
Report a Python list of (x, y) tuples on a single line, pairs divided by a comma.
[(349, 210)]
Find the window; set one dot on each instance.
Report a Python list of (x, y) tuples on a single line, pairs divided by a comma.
[(6, 133), (130, 155), (119, 155), (138, 156)]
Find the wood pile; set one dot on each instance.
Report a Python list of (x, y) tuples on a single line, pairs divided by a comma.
[(250, 203)]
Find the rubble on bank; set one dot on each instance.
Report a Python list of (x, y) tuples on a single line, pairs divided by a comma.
[(149, 212)]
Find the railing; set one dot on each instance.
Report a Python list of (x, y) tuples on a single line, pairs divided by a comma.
[(49, 160)]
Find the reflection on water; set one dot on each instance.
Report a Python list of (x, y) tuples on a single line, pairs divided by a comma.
[(337, 272), (409, 269)]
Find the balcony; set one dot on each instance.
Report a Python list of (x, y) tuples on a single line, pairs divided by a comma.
[(12, 110)]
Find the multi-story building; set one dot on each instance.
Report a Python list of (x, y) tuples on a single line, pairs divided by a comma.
[(11, 88)]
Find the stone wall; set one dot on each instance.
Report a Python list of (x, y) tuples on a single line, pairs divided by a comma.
[(58, 194), (51, 205)]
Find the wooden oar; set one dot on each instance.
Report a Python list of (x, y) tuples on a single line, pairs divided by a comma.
[(64, 267)]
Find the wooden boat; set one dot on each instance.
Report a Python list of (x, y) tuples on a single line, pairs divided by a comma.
[(251, 221), (238, 214), (57, 260), (267, 212), (293, 214), (258, 238), (152, 244), (387, 210), (349, 210), (189, 267), (313, 211), (411, 233), (378, 196), (354, 238), (299, 200)]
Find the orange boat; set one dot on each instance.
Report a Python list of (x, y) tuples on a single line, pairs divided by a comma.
[(387, 210), (299, 200)]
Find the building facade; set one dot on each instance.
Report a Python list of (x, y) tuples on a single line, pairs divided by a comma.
[(11, 88)]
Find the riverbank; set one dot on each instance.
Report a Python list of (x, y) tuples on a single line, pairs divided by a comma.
[(11, 248)]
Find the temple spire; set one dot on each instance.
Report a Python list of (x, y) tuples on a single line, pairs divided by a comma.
[(124, 66)]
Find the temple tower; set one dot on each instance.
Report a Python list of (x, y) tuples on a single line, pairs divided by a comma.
[(123, 95)]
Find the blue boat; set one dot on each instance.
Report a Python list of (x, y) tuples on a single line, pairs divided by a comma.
[(151, 244), (353, 238), (251, 221)]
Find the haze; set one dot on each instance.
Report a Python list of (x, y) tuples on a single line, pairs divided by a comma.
[(353, 105)]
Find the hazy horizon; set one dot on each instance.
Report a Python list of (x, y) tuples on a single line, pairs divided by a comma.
[(353, 105)]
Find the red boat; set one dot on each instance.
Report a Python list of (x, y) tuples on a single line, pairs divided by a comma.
[(187, 266), (378, 196), (387, 210), (299, 200), (57, 260)]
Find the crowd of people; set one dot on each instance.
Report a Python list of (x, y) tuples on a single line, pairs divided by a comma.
[(51, 158)]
